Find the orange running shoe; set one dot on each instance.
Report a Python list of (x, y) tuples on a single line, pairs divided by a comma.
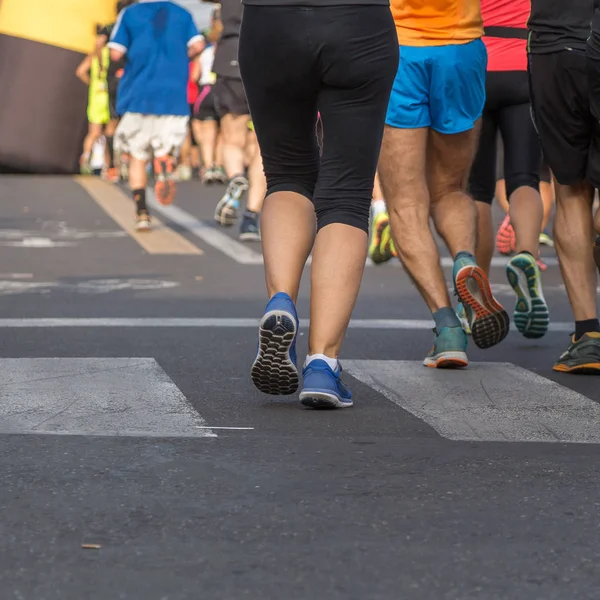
[(164, 173), (506, 240)]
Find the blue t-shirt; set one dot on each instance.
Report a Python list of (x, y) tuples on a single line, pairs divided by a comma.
[(155, 34)]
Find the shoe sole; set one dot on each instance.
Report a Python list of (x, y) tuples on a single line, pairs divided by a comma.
[(322, 399), (273, 371), (588, 368), (447, 360), (531, 315), (226, 214), (142, 228), (491, 323), (249, 237)]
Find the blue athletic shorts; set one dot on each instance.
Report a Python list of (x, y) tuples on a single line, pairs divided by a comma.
[(442, 87)]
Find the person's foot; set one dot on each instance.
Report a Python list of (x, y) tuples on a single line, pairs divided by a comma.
[(582, 356), (250, 229), (463, 317), (84, 166), (208, 176), (531, 314), (449, 349), (274, 370), (323, 386), (597, 252), (142, 221), (489, 321), (506, 239), (226, 212), (546, 239), (164, 188), (219, 174), (381, 248)]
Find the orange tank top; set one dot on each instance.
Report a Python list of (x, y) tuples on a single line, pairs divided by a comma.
[(437, 22)]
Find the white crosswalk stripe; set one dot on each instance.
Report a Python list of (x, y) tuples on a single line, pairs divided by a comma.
[(490, 402), (94, 396)]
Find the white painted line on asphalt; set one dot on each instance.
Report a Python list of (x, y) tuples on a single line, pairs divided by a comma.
[(94, 396), (491, 402), (409, 324), (208, 234), (227, 428)]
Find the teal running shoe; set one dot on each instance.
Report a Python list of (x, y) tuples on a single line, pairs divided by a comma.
[(531, 314), (488, 319), (449, 349)]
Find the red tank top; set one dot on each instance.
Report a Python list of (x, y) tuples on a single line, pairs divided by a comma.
[(192, 87), (503, 19)]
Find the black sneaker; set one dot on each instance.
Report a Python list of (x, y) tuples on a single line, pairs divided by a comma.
[(582, 356), (597, 252), (250, 230)]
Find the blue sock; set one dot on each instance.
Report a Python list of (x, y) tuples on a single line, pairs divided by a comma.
[(464, 254), (445, 317)]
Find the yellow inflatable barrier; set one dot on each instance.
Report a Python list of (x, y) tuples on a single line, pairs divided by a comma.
[(43, 117)]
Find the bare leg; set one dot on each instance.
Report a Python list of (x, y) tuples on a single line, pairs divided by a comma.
[(288, 226), (94, 133), (526, 213), (337, 270), (449, 160), (234, 129), (485, 236), (402, 173), (138, 178), (547, 194), (258, 182), (206, 134), (573, 231), (501, 195)]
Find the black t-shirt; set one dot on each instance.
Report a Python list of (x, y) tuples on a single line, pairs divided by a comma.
[(556, 25), (226, 55)]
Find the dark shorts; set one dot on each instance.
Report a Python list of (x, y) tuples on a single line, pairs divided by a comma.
[(506, 112), (205, 106), (569, 133), (230, 97)]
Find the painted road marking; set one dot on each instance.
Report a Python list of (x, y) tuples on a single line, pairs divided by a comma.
[(90, 287), (161, 240), (94, 396), (242, 323), (491, 402), (208, 234)]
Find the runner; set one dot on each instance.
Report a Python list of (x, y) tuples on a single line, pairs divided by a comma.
[(233, 112), (339, 59), (158, 37), (570, 137), (93, 72), (429, 144), (205, 122), (114, 74), (508, 112)]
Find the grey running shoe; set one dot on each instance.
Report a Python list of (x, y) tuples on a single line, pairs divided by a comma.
[(250, 230), (226, 212)]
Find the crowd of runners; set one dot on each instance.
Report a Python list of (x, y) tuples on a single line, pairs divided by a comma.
[(371, 126)]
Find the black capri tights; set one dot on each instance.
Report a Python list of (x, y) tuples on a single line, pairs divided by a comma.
[(507, 110), (337, 60)]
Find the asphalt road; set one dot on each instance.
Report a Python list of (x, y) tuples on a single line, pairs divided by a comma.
[(138, 461)]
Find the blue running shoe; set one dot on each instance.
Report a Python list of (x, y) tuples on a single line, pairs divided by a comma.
[(274, 370), (531, 314), (449, 349), (323, 387)]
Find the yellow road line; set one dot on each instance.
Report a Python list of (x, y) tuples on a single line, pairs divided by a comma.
[(160, 240)]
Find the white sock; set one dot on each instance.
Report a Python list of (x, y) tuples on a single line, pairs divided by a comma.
[(378, 207), (332, 362)]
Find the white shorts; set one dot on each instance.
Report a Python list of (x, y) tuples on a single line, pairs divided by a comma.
[(141, 135)]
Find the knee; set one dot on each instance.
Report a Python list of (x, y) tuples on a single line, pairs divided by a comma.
[(347, 211), (519, 180)]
